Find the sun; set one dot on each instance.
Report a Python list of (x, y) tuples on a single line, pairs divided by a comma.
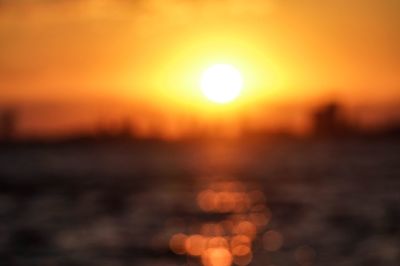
[(221, 83)]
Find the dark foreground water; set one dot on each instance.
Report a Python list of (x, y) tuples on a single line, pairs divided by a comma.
[(214, 204)]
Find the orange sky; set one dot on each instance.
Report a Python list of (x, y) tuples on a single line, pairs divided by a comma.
[(71, 64)]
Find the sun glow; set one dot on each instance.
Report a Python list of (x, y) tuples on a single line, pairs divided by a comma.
[(221, 83)]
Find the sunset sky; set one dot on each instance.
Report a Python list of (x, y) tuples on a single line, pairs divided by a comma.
[(75, 64)]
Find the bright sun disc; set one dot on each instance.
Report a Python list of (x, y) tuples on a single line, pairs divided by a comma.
[(221, 83)]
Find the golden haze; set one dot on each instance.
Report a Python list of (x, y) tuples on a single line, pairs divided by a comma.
[(91, 61)]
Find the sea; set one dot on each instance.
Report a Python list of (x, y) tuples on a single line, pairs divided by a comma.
[(277, 202)]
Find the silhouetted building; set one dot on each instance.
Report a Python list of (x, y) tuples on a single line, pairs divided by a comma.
[(329, 121), (8, 124), (126, 129)]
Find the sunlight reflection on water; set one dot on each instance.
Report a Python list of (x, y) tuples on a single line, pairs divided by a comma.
[(235, 226)]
